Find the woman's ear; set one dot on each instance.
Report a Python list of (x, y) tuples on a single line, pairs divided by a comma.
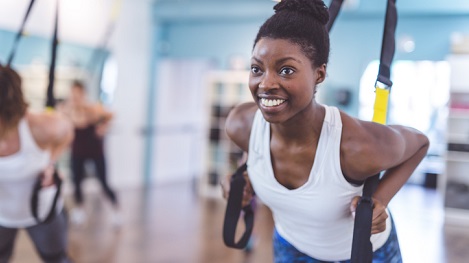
[(321, 73)]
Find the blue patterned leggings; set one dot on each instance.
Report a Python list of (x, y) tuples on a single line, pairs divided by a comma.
[(284, 252)]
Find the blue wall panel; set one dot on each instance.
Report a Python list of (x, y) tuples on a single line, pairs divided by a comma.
[(37, 49), (355, 41)]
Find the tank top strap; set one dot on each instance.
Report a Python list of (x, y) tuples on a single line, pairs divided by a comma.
[(27, 142), (258, 131), (332, 116), (333, 123)]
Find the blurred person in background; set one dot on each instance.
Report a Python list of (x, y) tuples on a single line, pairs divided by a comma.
[(30, 144), (91, 122)]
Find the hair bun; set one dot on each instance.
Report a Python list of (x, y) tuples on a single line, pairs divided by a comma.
[(314, 8)]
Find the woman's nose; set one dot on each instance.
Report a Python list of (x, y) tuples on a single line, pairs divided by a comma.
[(268, 81)]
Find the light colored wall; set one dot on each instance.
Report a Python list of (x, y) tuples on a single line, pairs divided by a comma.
[(131, 47)]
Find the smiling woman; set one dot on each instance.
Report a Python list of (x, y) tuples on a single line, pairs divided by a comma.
[(305, 157), (285, 68)]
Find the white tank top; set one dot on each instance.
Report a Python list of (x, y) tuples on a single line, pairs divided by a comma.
[(18, 173), (315, 218)]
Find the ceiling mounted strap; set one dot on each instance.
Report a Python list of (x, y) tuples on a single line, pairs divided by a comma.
[(362, 250), (334, 10), (50, 104), (19, 34), (388, 44), (50, 101)]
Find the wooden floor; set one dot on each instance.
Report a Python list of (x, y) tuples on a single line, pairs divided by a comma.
[(171, 224)]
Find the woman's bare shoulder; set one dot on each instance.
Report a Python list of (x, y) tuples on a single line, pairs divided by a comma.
[(239, 123), (49, 127), (358, 147), (368, 148)]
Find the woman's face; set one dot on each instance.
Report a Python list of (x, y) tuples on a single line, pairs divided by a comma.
[(282, 79), (77, 95)]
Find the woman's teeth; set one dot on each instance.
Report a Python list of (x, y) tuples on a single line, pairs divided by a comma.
[(271, 103)]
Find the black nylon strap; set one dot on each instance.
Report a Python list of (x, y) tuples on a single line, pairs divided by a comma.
[(233, 212), (334, 10), (19, 34), (362, 251), (35, 198), (388, 45), (50, 102)]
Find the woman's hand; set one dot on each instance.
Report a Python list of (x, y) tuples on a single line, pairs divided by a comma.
[(380, 215), (248, 190), (101, 130), (48, 176)]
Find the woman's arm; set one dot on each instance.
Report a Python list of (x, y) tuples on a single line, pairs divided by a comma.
[(239, 123), (414, 146), (53, 132), (103, 119), (238, 128), (369, 148), (61, 137)]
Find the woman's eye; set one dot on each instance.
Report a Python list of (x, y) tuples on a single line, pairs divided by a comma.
[(255, 70), (286, 71)]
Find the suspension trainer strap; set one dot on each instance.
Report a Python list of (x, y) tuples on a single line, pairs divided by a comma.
[(233, 212), (362, 250), (50, 104), (334, 10), (35, 198), (388, 44), (20, 33)]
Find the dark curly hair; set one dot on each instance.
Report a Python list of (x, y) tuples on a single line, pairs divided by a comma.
[(12, 104), (302, 22), (78, 84)]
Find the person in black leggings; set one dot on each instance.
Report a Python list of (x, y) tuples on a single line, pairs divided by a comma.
[(91, 123)]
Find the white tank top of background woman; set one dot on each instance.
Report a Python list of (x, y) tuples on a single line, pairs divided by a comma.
[(315, 218), (18, 172)]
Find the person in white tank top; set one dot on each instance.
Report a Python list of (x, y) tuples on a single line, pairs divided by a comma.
[(307, 161), (30, 143)]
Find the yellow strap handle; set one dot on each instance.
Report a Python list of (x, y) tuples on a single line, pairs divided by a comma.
[(381, 105), (49, 109)]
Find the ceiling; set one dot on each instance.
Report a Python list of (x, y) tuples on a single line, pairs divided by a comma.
[(85, 21), (80, 21)]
